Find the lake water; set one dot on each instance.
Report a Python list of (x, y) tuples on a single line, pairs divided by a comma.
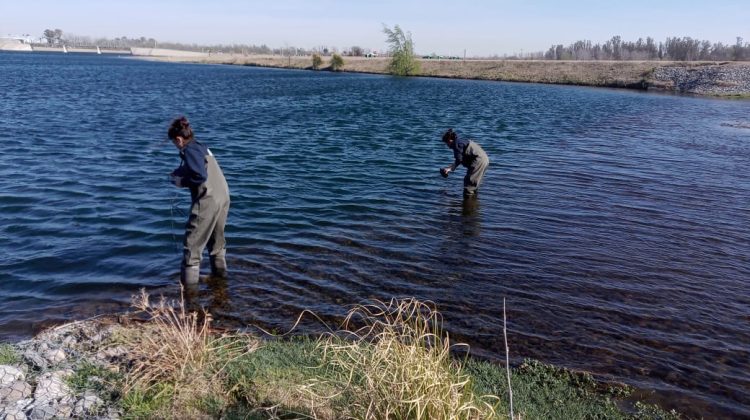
[(614, 223)]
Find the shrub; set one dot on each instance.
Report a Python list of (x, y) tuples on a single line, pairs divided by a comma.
[(401, 48), (337, 63), (316, 61)]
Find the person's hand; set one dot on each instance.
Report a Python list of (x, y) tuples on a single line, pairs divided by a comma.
[(176, 180), (444, 172)]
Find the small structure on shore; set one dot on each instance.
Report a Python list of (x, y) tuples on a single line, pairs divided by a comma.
[(14, 44)]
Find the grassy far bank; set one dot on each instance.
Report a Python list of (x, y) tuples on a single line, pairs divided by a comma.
[(726, 79), (389, 360)]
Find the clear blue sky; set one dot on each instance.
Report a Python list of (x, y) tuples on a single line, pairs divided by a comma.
[(482, 27)]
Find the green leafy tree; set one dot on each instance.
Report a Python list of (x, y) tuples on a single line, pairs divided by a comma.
[(316, 61), (401, 47), (337, 63)]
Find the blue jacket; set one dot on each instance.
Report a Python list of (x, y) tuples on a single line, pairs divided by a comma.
[(192, 169), (459, 147)]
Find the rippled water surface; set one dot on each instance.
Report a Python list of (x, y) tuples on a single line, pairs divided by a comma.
[(615, 223)]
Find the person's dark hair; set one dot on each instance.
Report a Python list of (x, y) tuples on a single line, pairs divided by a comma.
[(449, 135), (180, 127)]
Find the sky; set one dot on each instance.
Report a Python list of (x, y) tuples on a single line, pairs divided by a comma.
[(446, 27)]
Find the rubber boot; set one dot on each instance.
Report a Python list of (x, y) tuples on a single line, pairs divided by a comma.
[(190, 275), (219, 264)]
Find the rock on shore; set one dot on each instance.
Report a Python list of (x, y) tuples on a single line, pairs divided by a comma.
[(39, 385), (718, 79)]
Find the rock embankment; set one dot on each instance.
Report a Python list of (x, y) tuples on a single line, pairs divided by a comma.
[(717, 79), (61, 373)]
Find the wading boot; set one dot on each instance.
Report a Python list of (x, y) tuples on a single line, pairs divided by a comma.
[(190, 275), (219, 264)]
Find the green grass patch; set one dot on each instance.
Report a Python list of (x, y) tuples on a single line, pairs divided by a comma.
[(89, 377), (542, 391), (267, 383), (8, 355), (147, 404), (270, 380)]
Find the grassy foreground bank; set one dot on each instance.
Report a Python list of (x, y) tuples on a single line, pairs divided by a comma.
[(725, 79), (388, 361)]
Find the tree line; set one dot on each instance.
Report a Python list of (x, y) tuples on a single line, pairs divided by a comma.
[(57, 37), (675, 49)]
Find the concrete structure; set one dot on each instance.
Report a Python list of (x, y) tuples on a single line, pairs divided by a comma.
[(11, 44), (91, 50)]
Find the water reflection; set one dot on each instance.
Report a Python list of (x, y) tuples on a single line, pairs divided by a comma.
[(219, 294), (470, 217), (214, 298)]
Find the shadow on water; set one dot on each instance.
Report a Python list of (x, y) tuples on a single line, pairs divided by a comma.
[(470, 216), (211, 295)]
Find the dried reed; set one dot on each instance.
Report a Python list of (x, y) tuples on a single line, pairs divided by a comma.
[(177, 347), (394, 362)]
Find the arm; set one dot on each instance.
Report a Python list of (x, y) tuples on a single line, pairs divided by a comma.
[(458, 158), (455, 165)]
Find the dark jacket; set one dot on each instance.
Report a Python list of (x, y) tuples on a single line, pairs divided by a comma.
[(459, 153), (194, 169)]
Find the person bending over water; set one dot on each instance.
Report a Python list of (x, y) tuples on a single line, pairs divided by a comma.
[(209, 192), (470, 154)]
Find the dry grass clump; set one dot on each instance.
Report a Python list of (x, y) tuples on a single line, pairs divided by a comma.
[(176, 354), (396, 364)]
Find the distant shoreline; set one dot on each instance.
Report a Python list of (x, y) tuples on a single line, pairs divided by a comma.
[(716, 79), (720, 79)]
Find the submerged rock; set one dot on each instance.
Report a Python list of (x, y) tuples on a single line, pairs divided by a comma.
[(737, 124)]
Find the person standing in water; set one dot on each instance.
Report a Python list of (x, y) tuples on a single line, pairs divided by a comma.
[(200, 172), (470, 154)]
